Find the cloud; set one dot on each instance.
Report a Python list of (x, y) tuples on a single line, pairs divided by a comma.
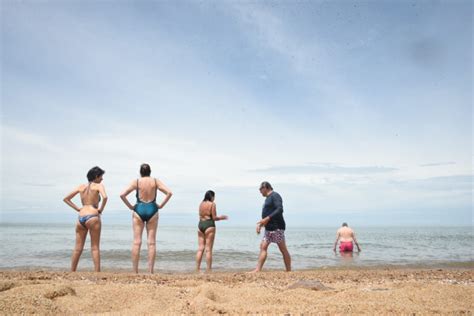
[(145, 91), (451, 183), (32, 140), (326, 168), (436, 164), (268, 31)]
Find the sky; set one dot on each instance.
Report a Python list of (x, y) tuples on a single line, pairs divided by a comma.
[(356, 111)]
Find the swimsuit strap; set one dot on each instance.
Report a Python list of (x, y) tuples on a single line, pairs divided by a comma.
[(138, 193), (156, 189), (86, 193)]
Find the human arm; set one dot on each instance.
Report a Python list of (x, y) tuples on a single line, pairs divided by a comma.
[(355, 242), (259, 227), (127, 191), (70, 196), (165, 190), (337, 239), (104, 197), (278, 209), (214, 213)]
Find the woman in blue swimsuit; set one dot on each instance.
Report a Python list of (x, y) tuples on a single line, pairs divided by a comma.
[(145, 213), (89, 215)]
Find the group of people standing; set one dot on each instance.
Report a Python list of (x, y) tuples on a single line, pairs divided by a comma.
[(145, 214)]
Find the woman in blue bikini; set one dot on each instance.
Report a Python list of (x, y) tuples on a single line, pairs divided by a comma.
[(145, 213), (89, 216)]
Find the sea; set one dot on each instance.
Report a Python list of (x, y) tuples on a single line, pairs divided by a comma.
[(48, 246)]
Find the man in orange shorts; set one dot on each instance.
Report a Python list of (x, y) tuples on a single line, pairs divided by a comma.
[(347, 237)]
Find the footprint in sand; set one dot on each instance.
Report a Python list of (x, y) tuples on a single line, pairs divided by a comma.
[(61, 291), (5, 286), (210, 294), (311, 285), (205, 300)]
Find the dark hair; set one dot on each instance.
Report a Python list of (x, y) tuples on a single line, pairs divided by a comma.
[(344, 224), (209, 196), (145, 170), (94, 173), (266, 185)]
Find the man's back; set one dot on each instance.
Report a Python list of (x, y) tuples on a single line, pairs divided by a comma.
[(345, 233)]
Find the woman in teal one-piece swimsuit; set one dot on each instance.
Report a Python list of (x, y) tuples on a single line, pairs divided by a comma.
[(145, 213)]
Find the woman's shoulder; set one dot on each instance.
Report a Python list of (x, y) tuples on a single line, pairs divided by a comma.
[(96, 186), (206, 203)]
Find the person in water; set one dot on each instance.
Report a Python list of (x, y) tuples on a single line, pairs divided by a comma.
[(274, 223), (207, 229), (89, 215), (346, 236), (145, 213)]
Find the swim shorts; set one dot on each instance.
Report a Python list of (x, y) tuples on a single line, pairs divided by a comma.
[(276, 236), (346, 246)]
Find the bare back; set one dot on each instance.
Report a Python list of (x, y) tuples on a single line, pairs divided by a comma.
[(205, 210), (345, 234), (89, 194), (90, 198), (147, 187)]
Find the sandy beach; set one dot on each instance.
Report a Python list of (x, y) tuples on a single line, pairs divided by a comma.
[(324, 291)]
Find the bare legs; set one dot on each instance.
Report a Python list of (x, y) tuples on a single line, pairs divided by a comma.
[(286, 255), (263, 255), (81, 234), (94, 226), (151, 228), (138, 226), (206, 242), (201, 247)]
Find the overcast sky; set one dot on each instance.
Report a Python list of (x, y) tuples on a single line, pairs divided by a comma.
[(354, 111)]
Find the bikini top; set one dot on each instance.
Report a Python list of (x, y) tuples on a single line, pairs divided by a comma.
[(88, 191), (138, 194)]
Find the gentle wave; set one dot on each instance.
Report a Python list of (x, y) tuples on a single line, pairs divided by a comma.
[(32, 245)]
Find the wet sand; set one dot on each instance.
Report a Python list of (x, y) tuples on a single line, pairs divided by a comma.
[(323, 291)]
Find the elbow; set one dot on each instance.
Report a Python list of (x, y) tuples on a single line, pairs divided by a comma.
[(170, 194), (65, 200)]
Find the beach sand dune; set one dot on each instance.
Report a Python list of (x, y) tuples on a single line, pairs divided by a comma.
[(325, 291)]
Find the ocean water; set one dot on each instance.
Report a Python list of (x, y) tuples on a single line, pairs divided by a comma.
[(49, 246)]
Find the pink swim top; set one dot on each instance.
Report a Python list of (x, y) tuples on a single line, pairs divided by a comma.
[(346, 246)]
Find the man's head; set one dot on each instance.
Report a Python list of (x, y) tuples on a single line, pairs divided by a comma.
[(344, 225), (265, 188)]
